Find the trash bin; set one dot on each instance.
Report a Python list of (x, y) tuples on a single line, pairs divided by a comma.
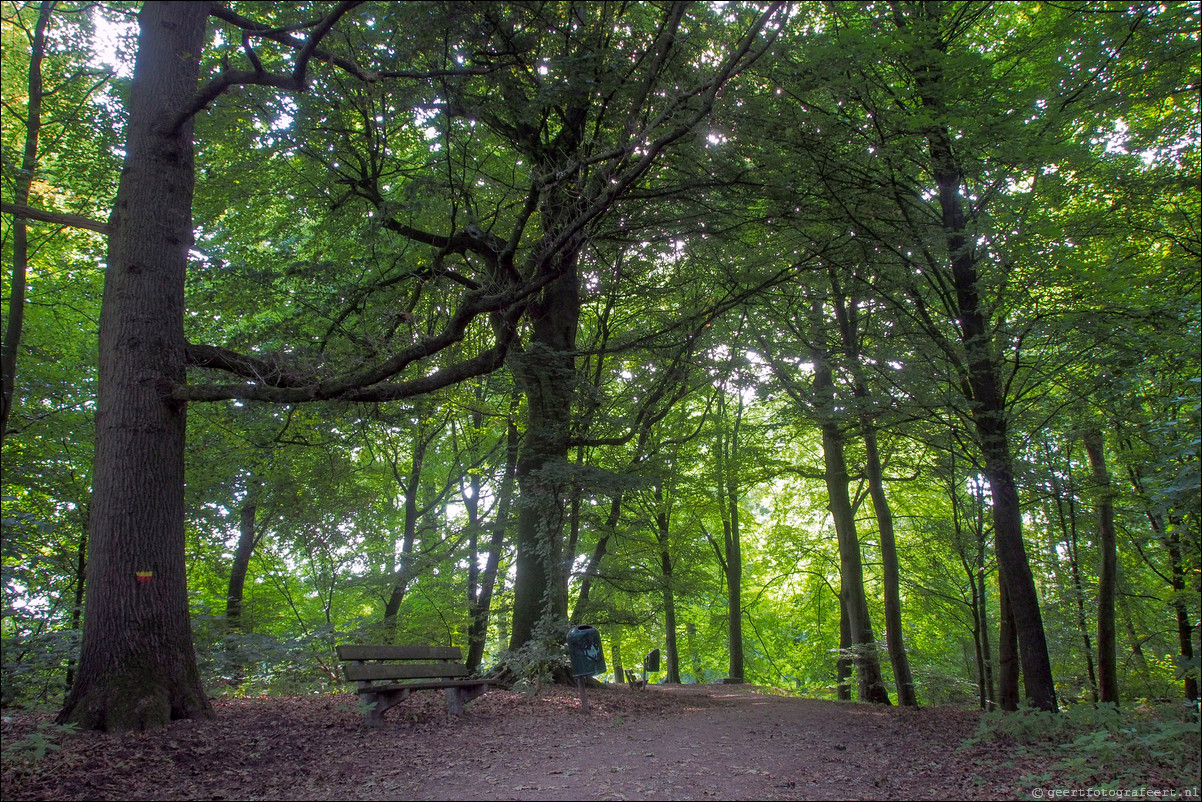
[(584, 647), (651, 661)]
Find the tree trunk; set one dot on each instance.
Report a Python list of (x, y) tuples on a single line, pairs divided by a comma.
[(662, 520), (410, 486), (1172, 542), (246, 547), (616, 652), (594, 563), (480, 607), (851, 569), (903, 679), (1008, 662), (732, 550), (546, 372), (1185, 629), (24, 180), (843, 667), (847, 316), (137, 666), (81, 576), (1108, 682), (690, 632), (983, 382), (986, 655), (1061, 497)]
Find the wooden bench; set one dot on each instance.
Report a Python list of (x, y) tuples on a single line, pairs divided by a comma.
[(650, 663), (388, 674)]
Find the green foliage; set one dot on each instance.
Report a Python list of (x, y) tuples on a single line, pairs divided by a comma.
[(704, 295), (235, 663), (541, 660), (1104, 747), (21, 754)]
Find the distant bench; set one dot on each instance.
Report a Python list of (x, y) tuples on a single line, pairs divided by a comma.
[(650, 663), (388, 674)]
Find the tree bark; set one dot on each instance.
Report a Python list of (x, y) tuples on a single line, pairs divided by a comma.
[(1108, 683), (843, 666), (137, 667), (1008, 661)]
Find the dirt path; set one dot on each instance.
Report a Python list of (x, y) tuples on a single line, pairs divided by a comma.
[(716, 742)]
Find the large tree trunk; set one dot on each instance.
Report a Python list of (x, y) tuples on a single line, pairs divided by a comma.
[(1108, 683), (843, 667), (137, 667), (546, 372)]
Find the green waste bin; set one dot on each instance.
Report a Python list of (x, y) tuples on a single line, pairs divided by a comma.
[(584, 647)]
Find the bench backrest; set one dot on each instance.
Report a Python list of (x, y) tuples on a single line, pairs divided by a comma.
[(360, 665)]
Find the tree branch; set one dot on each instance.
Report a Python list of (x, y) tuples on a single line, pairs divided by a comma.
[(296, 81), (58, 218)]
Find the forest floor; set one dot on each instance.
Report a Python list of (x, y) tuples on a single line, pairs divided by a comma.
[(683, 742)]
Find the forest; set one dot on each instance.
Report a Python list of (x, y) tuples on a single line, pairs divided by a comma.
[(850, 349)]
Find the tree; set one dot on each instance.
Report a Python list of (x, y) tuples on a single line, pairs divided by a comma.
[(136, 667)]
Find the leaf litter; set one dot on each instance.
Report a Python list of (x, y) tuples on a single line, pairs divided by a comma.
[(663, 742)]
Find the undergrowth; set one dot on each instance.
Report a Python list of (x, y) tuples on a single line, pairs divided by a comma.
[(1144, 748), (21, 751)]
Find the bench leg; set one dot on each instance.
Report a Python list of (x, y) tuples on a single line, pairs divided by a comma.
[(375, 710), (379, 702), (454, 701)]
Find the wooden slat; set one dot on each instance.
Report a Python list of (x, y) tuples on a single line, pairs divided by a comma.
[(426, 686), (348, 652), (374, 671)]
